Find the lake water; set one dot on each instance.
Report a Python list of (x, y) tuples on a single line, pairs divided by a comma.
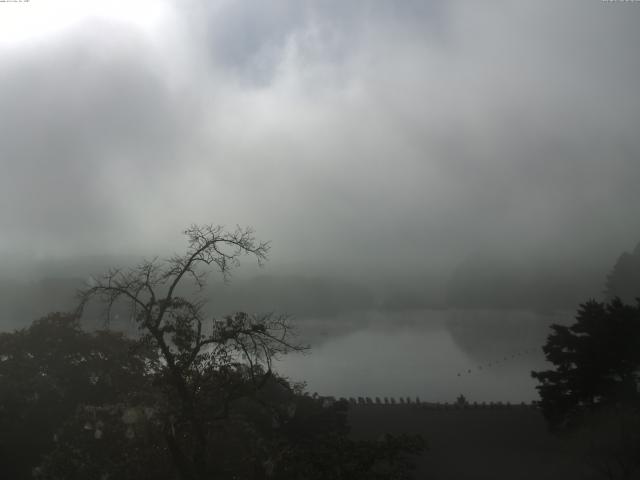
[(434, 354)]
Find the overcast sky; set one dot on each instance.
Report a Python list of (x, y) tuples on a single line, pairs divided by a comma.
[(390, 134)]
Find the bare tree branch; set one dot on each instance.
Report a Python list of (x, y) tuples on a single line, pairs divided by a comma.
[(196, 351)]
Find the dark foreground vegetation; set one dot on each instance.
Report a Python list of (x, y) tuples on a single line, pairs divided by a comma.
[(593, 391), (477, 443), (187, 398), (192, 397)]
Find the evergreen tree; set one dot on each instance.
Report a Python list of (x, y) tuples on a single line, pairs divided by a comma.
[(596, 362)]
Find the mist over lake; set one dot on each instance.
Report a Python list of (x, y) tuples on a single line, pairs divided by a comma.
[(364, 341), (486, 355)]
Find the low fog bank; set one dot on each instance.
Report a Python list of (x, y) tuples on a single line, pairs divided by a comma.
[(478, 282), (475, 329), (307, 296)]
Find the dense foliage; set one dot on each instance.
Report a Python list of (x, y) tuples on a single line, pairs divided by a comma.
[(47, 371), (592, 394)]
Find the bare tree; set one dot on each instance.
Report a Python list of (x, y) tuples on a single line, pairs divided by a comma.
[(199, 358)]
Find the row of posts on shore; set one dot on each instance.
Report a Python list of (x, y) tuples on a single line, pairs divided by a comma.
[(461, 402)]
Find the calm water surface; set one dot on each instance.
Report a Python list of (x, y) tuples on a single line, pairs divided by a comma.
[(436, 355)]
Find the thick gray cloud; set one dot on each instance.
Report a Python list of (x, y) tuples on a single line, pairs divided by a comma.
[(88, 133), (355, 135)]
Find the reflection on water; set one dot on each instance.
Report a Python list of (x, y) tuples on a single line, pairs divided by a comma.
[(434, 354)]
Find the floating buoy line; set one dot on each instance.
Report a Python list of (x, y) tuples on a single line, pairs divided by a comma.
[(500, 361)]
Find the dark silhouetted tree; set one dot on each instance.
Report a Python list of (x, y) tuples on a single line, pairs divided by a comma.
[(206, 364), (592, 392), (596, 362)]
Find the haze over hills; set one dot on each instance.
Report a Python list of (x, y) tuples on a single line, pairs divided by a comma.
[(499, 282), (482, 281), (624, 279)]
